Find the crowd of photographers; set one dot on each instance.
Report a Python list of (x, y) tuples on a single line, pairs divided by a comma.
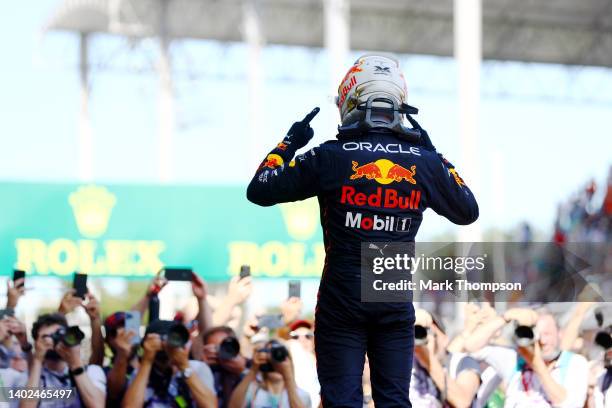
[(519, 357)]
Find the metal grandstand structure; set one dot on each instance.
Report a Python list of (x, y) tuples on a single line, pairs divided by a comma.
[(576, 34)]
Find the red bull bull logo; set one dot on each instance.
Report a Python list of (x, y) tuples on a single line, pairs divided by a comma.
[(272, 161), (384, 171)]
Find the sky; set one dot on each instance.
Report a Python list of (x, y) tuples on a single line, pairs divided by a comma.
[(532, 153)]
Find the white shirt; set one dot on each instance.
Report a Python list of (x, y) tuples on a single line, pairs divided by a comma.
[(569, 370), (61, 380), (306, 376), (423, 391), (11, 378), (257, 397), (602, 400), (200, 369)]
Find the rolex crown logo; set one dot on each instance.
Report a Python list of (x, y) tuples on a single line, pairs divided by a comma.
[(92, 206), (301, 218)]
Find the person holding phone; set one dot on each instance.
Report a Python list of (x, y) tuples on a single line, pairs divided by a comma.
[(378, 169)]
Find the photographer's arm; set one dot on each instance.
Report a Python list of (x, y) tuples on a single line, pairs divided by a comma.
[(135, 394), (238, 291), (482, 334), (117, 376), (35, 369), (14, 290), (286, 370), (238, 397), (97, 340), (203, 396), (459, 392), (572, 328), (91, 396)]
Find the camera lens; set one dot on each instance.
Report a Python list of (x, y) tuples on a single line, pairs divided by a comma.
[(524, 336), (58, 335), (420, 335), (73, 336), (229, 348), (278, 352), (603, 340), (178, 336)]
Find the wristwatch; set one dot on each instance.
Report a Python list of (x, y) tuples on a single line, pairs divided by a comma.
[(186, 373), (77, 371)]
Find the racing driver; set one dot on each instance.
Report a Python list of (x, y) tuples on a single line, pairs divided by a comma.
[(373, 184)]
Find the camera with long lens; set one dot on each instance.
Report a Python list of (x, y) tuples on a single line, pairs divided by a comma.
[(420, 335), (177, 336), (278, 353), (70, 336), (229, 348), (524, 336)]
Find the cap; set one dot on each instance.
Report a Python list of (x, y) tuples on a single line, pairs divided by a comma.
[(114, 322), (300, 323)]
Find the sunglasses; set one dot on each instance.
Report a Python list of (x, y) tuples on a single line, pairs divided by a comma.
[(296, 336)]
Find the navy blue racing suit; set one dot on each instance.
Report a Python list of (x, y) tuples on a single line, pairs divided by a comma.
[(358, 181)]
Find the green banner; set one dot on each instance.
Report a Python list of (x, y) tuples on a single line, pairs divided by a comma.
[(132, 231)]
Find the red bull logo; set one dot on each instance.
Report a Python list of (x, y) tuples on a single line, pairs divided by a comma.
[(272, 161), (384, 171), (388, 198)]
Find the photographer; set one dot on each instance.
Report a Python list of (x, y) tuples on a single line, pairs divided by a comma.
[(166, 377), (536, 371), (222, 354), (57, 364), (124, 360), (272, 364), (430, 384)]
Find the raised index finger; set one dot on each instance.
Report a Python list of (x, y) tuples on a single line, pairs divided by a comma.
[(311, 115)]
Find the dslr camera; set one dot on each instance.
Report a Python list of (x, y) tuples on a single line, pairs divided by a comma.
[(177, 336), (524, 336), (277, 352), (604, 340), (70, 336), (229, 348), (420, 335)]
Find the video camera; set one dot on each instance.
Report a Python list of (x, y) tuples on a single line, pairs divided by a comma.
[(70, 336), (278, 353)]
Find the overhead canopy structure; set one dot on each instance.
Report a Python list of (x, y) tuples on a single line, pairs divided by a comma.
[(553, 31)]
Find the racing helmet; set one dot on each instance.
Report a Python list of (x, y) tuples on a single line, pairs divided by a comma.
[(373, 94)]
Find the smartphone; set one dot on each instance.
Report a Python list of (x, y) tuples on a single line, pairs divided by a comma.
[(245, 270), (18, 274), (178, 274), (295, 288), (132, 323), (271, 321), (80, 285)]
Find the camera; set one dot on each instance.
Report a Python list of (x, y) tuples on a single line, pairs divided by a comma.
[(229, 348), (177, 336), (70, 336), (278, 354), (420, 335), (524, 336)]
